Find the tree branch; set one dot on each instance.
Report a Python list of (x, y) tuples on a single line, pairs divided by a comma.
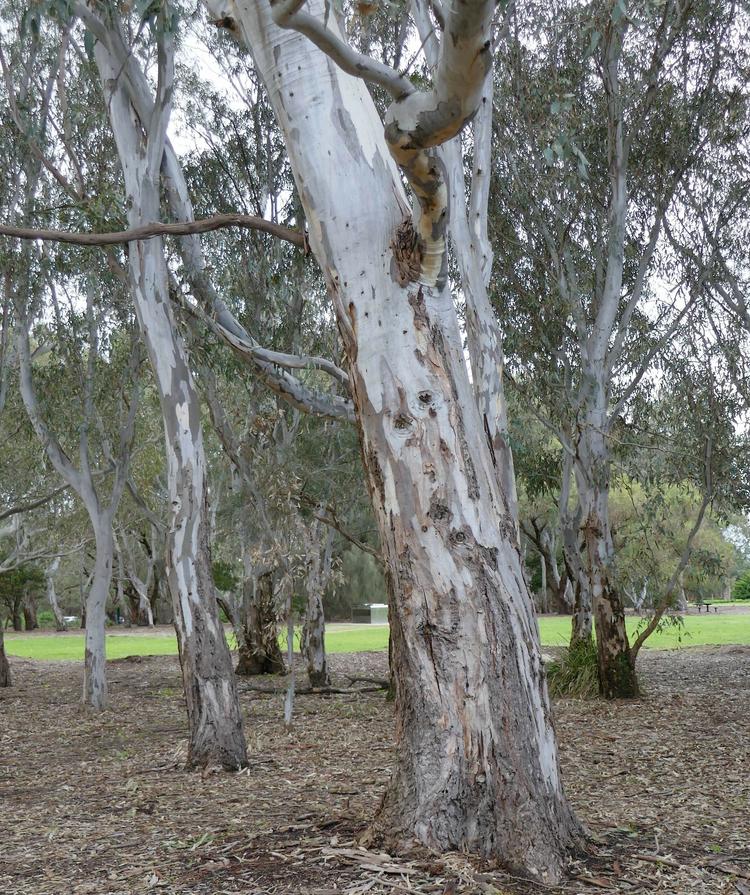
[(289, 14), (150, 231)]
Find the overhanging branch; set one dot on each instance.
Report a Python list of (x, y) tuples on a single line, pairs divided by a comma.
[(150, 231)]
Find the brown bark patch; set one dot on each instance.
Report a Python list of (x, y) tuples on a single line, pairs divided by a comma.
[(406, 246)]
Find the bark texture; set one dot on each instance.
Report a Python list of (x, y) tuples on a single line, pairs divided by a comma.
[(60, 624), (94, 674), (259, 650), (314, 625), (617, 676), (5, 676), (477, 765)]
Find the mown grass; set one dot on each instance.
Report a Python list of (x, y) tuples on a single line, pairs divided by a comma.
[(703, 630)]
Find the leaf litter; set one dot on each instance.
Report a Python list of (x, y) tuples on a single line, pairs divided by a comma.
[(102, 805)]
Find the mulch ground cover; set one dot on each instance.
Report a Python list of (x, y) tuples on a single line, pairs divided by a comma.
[(101, 805)]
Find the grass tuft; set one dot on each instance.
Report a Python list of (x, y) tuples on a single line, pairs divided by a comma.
[(576, 672)]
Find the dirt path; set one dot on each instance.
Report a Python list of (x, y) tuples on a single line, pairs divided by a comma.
[(100, 805)]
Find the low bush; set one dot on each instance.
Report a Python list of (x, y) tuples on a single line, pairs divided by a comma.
[(575, 674)]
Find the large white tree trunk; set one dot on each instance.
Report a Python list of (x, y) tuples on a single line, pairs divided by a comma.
[(477, 765), (214, 718)]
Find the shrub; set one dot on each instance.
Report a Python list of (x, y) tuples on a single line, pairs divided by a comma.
[(741, 589)]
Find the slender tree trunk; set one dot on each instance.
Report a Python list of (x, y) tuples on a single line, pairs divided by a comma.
[(617, 677), (5, 676), (214, 717), (582, 622), (560, 594), (476, 762), (29, 613), (155, 589), (682, 603), (84, 580), (60, 624), (314, 626), (18, 614), (543, 596), (95, 661)]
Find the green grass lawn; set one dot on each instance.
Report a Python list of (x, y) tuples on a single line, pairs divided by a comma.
[(697, 631)]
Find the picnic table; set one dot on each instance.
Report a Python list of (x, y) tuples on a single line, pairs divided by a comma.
[(708, 606)]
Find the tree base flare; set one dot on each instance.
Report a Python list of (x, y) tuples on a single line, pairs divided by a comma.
[(250, 664), (529, 852), (617, 677)]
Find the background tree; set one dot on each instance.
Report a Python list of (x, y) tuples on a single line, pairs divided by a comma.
[(603, 119)]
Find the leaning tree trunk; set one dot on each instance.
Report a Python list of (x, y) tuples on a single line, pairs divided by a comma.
[(617, 676), (214, 717), (582, 622), (259, 650), (5, 676), (95, 661), (543, 596), (476, 761)]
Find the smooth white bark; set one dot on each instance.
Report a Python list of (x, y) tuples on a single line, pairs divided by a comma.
[(215, 722), (477, 764)]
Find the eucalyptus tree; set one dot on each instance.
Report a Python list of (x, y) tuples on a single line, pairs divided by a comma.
[(478, 765), (213, 711), (465, 644), (32, 278), (604, 116), (215, 724), (691, 443), (95, 447)]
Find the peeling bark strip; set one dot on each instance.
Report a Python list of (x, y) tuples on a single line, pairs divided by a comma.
[(314, 625), (214, 719), (477, 766)]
